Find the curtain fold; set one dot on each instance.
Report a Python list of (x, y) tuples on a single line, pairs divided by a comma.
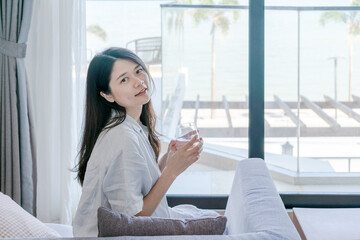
[(18, 159), (56, 63)]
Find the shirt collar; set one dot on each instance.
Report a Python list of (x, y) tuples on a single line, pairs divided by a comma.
[(133, 123)]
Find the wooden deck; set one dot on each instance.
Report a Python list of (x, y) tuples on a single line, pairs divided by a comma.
[(328, 118)]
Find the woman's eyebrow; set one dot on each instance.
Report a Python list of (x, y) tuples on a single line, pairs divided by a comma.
[(121, 75), (126, 72)]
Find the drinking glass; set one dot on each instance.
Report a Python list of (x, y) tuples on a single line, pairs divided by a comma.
[(184, 133)]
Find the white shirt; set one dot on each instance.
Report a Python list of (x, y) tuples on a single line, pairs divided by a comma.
[(121, 170)]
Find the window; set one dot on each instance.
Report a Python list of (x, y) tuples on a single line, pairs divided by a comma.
[(205, 81), (312, 125), (311, 143)]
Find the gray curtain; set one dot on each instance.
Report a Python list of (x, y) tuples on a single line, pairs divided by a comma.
[(18, 159)]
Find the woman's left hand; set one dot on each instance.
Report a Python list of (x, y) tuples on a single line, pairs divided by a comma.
[(163, 160)]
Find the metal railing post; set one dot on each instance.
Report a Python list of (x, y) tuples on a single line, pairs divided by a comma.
[(256, 78)]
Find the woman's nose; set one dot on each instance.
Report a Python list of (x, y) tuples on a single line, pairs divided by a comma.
[(138, 82)]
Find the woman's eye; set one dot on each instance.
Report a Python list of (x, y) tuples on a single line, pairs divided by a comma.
[(124, 80), (140, 70)]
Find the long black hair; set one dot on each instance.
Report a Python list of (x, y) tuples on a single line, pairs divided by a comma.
[(98, 112)]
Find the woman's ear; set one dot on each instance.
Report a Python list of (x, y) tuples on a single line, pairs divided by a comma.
[(108, 97)]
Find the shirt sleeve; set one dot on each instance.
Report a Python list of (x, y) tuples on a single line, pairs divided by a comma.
[(125, 179)]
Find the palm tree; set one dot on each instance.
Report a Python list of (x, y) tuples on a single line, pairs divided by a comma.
[(352, 20), (99, 34), (97, 31), (219, 20)]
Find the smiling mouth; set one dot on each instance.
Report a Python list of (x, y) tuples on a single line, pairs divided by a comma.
[(141, 92)]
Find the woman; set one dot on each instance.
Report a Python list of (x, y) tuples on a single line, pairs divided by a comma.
[(118, 165)]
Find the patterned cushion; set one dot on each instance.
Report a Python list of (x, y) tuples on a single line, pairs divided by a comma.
[(15, 222), (112, 223)]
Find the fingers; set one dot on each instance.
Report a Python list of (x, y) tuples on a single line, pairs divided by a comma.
[(172, 146), (171, 143), (190, 143), (193, 154), (181, 159), (197, 149), (201, 144)]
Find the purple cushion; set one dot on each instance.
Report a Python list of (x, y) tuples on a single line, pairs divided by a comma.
[(112, 223)]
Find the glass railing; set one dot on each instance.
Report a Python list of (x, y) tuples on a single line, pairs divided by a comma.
[(311, 76), (312, 88)]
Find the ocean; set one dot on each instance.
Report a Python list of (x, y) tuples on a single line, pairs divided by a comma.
[(124, 21)]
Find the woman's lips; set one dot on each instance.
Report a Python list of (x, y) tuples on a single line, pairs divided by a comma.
[(143, 92)]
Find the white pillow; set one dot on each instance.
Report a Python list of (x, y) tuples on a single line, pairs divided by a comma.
[(15, 222)]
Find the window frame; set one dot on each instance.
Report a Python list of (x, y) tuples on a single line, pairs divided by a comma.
[(290, 200), (256, 125)]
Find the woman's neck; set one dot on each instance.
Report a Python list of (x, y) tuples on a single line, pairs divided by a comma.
[(134, 113)]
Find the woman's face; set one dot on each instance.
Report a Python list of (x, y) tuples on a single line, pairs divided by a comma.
[(129, 85)]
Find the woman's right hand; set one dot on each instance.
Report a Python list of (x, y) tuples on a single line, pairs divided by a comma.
[(179, 160)]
